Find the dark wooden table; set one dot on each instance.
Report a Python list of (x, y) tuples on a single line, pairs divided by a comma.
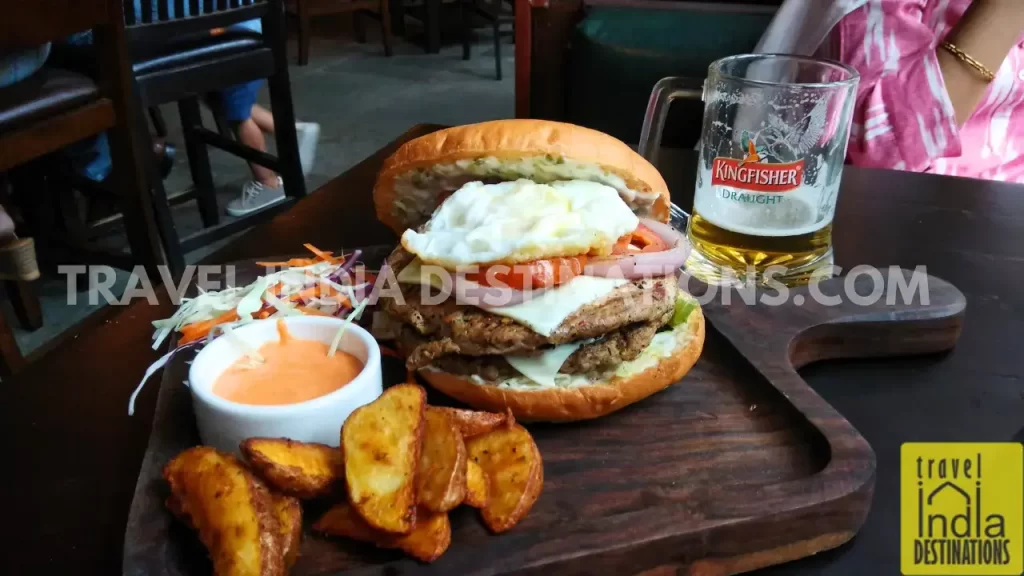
[(71, 454)]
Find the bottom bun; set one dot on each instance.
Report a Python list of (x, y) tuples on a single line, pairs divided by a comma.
[(604, 396)]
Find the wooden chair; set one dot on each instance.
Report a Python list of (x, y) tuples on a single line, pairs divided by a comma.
[(304, 10), (54, 108), (180, 59), (562, 72), (496, 14)]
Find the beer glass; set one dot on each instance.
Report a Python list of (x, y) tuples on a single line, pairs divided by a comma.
[(771, 156)]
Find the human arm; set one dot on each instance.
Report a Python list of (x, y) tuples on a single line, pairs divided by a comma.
[(987, 31), (904, 117)]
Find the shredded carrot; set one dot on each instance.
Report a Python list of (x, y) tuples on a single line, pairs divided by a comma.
[(307, 294), (197, 330), (325, 256), (385, 351), (293, 263), (321, 256), (311, 311)]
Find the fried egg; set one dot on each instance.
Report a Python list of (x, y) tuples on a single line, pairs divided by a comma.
[(521, 221)]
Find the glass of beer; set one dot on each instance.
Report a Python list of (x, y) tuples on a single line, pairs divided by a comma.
[(771, 155)]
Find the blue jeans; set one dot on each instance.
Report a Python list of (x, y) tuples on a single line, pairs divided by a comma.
[(16, 66)]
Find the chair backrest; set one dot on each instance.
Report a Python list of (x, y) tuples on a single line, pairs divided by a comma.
[(29, 23), (157, 20), (577, 44)]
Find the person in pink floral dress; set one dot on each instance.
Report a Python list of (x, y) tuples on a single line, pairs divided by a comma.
[(920, 105)]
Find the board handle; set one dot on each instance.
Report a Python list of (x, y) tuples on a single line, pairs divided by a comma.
[(871, 313), (893, 312)]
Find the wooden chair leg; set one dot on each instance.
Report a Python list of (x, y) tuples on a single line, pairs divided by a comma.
[(37, 206), (302, 12), (284, 113), (432, 23), (397, 10), (11, 360), (25, 302), (465, 14), (135, 172), (497, 48), (199, 162), (159, 124), (385, 27), (358, 27)]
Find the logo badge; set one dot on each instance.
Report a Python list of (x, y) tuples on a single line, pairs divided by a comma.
[(962, 509), (754, 173)]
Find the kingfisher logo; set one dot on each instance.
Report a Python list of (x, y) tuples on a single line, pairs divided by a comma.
[(754, 173), (962, 509)]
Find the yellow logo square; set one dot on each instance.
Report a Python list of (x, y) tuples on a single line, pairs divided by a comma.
[(962, 509)]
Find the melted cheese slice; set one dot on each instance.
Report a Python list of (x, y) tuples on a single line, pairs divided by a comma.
[(414, 273), (546, 312), (543, 313), (542, 367)]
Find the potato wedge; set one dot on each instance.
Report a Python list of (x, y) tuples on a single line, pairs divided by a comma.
[(476, 485), (474, 422), (288, 511), (515, 473), (231, 509), (427, 542), (300, 469), (381, 445), (343, 520), (441, 477)]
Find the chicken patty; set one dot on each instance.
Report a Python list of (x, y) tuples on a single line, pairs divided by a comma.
[(450, 328)]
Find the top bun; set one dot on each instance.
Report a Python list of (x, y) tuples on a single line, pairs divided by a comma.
[(411, 183)]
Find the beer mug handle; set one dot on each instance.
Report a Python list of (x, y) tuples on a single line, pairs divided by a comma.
[(665, 91)]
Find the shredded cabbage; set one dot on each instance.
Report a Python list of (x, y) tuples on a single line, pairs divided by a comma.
[(249, 301)]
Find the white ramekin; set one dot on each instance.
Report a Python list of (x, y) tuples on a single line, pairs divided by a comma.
[(224, 424)]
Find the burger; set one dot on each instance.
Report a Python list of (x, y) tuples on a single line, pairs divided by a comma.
[(536, 270)]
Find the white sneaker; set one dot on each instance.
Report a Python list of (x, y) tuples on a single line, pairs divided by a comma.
[(255, 196), (308, 135)]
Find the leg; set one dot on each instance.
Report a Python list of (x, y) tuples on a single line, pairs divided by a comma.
[(304, 23), (263, 118), (199, 162), (308, 134), (385, 26), (250, 134), (236, 104), (464, 15)]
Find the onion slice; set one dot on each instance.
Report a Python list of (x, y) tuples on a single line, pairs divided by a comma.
[(645, 264)]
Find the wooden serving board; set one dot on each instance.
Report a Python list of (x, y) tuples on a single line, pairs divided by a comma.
[(740, 465)]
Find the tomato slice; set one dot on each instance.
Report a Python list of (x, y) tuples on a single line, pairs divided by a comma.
[(533, 275), (622, 244), (645, 239)]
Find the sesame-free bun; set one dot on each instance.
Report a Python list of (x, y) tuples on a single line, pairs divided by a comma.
[(512, 140), (583, 402)]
